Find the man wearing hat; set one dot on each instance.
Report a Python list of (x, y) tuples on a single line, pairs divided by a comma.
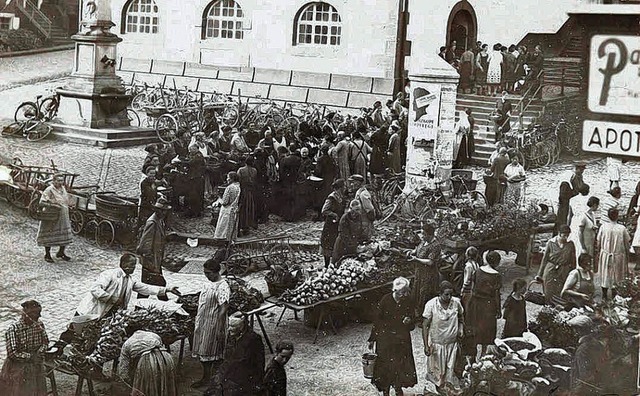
[(23, 372), (363, 195), (151, 246)]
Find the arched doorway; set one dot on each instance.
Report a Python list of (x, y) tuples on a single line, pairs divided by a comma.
[(462, 27)]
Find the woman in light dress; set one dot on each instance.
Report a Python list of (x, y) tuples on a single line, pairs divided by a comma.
[(442, 327), (227, 226), (515, 174), (494, 72), (613, 242), (588, 228), (211, 323), (55, 232)]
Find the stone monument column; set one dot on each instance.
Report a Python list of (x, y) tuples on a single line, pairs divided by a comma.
[(95, 96), (431, 134)]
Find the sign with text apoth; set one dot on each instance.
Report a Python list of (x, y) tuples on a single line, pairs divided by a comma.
[(614, 75), (613, 138)]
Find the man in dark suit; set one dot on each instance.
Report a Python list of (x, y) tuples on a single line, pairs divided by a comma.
[(152, 244), (289, 167)]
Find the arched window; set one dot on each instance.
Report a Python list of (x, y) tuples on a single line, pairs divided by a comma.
[(140, 16), (223, 19), (317, 24)]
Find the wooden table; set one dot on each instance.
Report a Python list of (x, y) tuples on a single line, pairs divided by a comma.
[(51, 367), (323, 305)]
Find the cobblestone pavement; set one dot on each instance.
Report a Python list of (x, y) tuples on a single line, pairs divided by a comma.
[(27, 69)]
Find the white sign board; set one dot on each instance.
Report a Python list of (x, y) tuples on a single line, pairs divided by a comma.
[(612, 138), (614, 75)]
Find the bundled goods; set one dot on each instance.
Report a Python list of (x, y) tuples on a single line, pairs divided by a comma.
[(189, 303), (281, 277), (113, 332), (501, 373), (330, 282), (389, 265), (243, 298), (491, 223)]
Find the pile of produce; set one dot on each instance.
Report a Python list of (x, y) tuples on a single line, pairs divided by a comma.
[(102, 340), (560, 328), (189, 303), (389, 265), (330, 282), (243, 298)]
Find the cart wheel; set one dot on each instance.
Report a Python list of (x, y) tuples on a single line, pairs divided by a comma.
[(167, 128), (77, 221), (19, 198), (32, 209), (139, 101), (90, 229), (278, 254), (105, 234), (238, 264)]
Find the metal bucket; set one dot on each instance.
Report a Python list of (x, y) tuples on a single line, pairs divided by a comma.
[(368, 362)]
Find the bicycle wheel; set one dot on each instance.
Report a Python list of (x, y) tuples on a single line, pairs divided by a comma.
[(13, 129), (389, 211), (290, 126), (26, 111), (139, 101), (39, 131), (133, 117), (167, 128), (49, 108), (231, 116)]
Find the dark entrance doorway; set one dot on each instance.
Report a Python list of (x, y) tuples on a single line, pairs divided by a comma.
[(462, 27)]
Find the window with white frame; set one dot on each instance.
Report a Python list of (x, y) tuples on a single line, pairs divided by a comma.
[(5, 22), (318, 24), (223, 20), (141, 16)]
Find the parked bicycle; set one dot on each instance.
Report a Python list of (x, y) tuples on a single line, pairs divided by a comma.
[(31, 118)]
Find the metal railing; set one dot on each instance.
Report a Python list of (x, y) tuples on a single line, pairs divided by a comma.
[(529, 96), (35, 16)]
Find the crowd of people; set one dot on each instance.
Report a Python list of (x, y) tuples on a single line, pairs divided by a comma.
[(489, 71), (255, 167)]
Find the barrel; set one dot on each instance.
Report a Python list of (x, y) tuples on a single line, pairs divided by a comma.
[(368, 361)]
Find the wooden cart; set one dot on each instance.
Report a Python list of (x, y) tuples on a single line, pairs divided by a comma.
[(242, 255), (116, 218)]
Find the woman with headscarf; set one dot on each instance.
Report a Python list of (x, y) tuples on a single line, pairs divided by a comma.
[(247, 207), (558, 260), (55, 232), (227, 226), (443, 325), (494, 71), (146, 365), (211, 322), (391, 335), (350, 232), (613, 242), (332, 211), (484, 305)]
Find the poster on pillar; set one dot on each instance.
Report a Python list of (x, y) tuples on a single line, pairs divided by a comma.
[(422, 126)]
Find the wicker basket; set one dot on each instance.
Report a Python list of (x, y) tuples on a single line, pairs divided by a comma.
[(47, 213)]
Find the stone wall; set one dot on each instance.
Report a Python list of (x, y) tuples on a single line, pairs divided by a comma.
[(336, 91)]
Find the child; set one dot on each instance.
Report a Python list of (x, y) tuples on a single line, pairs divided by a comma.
[(515, 311)]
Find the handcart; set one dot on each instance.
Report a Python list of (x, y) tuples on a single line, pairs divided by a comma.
[(243, 255), (116, 217)]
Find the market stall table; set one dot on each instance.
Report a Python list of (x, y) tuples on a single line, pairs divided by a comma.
[(254, 314), (51, 367), (323, 305)]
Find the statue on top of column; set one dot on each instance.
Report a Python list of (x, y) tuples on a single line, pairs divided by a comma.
[(96, 17)]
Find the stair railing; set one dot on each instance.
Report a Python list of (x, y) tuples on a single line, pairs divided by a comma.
[(36, 17), (527, 98)]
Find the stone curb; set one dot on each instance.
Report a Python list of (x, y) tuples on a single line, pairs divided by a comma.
[(37, 51), (35, 80)]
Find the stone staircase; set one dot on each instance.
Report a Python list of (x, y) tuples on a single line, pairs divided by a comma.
[(59, 36), (47, 20), (484, 130)]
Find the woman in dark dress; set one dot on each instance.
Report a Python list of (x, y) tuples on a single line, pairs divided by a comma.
[(327, 170), (194, 198), (248, 180), (379, 144), (332, 211), (484, 306), (148, 196), (427, 278), (350, 232), (558, 260), (391, 334)]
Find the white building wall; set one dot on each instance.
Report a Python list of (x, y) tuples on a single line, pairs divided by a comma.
[(367, 44)]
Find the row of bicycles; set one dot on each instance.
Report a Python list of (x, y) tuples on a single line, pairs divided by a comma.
[(543, 145), (172, 111)]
